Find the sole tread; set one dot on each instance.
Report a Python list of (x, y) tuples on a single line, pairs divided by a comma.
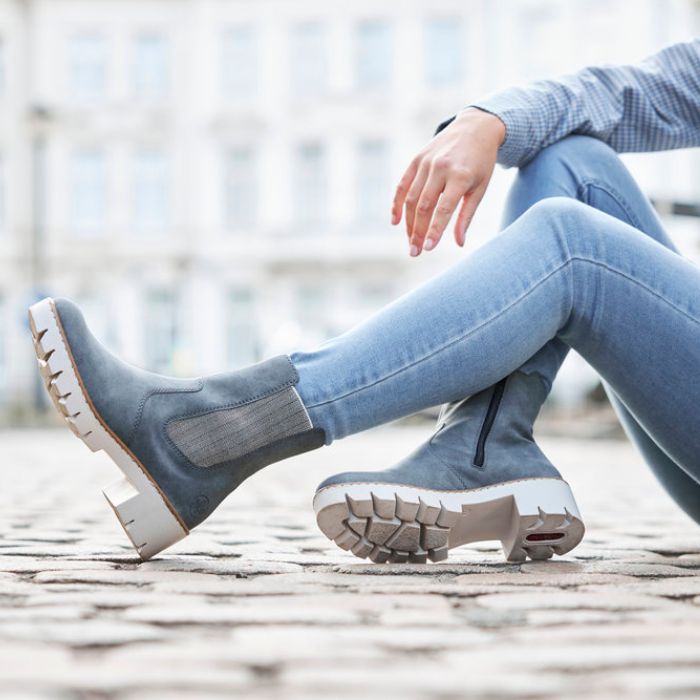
[(393, 530), (420, 527)]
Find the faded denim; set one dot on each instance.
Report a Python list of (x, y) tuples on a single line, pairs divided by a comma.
[(573, 270)]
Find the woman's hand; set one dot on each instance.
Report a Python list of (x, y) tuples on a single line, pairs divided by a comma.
[(455, 165)]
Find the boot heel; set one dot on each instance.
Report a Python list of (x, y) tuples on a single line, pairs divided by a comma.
[(146, 519), (545, 520)]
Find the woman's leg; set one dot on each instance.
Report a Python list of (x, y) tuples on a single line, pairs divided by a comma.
[(488, 437), (627, 304), (493, 429), (630, 306), (562, 270), (590, 171)]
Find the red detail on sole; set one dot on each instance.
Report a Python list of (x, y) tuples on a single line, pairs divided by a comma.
[(541, 536)]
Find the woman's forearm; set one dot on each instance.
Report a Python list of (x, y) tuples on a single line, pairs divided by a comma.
[(650, 106)]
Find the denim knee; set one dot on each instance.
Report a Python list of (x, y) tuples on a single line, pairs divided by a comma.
[(564, 169), (570, 227), (561, 215), (573, 152)]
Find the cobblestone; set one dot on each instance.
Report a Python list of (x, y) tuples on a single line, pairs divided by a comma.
[(258, 604)]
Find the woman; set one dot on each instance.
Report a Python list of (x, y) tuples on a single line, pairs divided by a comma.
[(582, 263)]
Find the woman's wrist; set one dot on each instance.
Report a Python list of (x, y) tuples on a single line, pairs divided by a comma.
[(485, 122)]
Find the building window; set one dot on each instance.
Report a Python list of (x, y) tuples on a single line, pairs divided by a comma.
[(372, 186), (6, 328), (3, 195), (240, 63), (160, 330), (443, 48), (3, 334), (309, 178), (96, 313), (373, 54), (3, 67), (240, 188), (243, 336), (88, 195), (309, 59), (150, 74), (88, 67), (542, 24), (150, 190), (312, 312), (373, 296)]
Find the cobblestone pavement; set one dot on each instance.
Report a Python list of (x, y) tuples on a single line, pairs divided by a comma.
[(258, 604)]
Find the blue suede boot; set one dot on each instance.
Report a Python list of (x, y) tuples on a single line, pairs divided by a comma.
[(481, 476), (182, 444)]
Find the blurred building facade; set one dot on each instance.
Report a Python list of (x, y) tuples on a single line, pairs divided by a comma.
[(211, 179)]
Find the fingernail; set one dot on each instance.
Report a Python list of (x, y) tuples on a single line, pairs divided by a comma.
[(414, 251), (429, 244)]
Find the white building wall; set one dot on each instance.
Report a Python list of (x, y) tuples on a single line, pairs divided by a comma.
[(304, 285)]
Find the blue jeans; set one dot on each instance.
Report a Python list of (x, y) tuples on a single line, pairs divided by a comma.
[(584, 263)]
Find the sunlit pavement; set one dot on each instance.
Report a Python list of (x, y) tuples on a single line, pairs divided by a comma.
[(257, 603)]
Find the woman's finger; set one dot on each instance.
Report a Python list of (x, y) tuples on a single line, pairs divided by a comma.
[(466, 213), (402, 190), (413, 196), (427, 202), (443, 213)]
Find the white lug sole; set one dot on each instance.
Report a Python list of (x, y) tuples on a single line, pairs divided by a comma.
[(150, 522), (533, 518)]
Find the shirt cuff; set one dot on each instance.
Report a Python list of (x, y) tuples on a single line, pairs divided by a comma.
[(516, 146)]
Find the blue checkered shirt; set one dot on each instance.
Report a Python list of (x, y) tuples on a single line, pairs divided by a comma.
[(650, 106)]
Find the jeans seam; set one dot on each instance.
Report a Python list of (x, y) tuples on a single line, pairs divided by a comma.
[(612, 192), (501, 312), (636, 282), (448, 344)]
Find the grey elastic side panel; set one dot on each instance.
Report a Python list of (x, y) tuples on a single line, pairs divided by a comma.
[(223, 435)]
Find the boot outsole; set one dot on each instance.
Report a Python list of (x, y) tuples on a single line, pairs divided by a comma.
[(533, 518), (149, 520)]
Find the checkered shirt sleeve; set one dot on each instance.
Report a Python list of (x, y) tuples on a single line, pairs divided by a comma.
[(650, 106)]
